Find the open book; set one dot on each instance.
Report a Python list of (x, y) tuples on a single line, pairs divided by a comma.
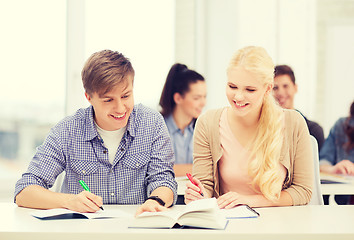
[(327, 178), (62, 213), (204, 213)]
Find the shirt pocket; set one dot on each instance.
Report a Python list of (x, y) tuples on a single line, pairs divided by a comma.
[(136, 161), (84, 167)]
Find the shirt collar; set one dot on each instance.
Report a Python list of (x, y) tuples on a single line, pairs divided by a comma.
[(90, 128), (172, 126)]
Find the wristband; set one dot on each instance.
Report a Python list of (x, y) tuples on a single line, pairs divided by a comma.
[(157, 199)]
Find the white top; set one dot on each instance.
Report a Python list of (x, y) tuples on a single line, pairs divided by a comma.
[(111, 140)]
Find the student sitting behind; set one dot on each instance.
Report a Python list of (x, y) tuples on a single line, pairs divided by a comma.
[(284, 92), (182, 100), (337, 153), (253, 152), (123, 152)]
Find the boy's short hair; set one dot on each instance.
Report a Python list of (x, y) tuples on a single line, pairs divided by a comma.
[(284, 70), (105, 70)]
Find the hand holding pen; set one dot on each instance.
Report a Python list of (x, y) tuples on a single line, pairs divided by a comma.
[(194, 189), (86, 188), (194, 183)]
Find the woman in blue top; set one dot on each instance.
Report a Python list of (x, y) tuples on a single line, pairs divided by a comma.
[(337, 153), (182, 100)]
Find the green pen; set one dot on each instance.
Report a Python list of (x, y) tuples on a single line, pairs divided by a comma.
[(86, 188)]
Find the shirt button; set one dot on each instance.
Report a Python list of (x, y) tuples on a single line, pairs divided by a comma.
[(122, 149), (83, 172), (112, 194), (137, 164), (111, 170), (104, 151)]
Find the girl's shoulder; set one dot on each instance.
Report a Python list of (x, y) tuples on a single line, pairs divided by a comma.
[(211, 115)]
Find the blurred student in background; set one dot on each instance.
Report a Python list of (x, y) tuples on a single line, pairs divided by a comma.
[(246, 153), (284, 92), (337, 153), (182, 101)]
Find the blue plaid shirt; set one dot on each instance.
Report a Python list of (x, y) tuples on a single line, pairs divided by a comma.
[(143, 162)]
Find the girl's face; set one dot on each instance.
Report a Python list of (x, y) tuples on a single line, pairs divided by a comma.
[(193, 101), (245, 92)]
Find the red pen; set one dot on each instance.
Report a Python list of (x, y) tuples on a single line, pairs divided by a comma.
[(191, 179)]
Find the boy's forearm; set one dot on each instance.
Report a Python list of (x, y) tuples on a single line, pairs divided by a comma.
[(165, 194), (35, 196)]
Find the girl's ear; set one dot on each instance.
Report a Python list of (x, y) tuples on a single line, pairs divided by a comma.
[(269, 88), (177, 98)]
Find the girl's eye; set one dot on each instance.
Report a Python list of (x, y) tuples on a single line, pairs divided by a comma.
[(125, 96), (251, 90), (232, 87), (108, 100)]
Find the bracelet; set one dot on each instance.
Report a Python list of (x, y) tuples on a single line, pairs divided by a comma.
[(157, 199)]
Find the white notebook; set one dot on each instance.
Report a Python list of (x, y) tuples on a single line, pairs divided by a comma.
[(240, 211), (62, 213)]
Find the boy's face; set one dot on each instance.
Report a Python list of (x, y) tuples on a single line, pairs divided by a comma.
[(112, 110), (284, 91)]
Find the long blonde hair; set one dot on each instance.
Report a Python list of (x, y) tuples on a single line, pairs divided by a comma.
[(264, 168)]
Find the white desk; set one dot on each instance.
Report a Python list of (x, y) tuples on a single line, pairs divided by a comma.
[(302, 222), (181, 185), (332, 189)]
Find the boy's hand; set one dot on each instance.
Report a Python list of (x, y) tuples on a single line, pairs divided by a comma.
[(84, 202), (150, 206)]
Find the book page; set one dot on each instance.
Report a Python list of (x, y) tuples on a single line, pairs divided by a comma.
[(242, 211), (201, 205), (164, 219), (327, 178), (170, 213)]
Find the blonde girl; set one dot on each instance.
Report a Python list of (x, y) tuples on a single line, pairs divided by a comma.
[(252, 152)]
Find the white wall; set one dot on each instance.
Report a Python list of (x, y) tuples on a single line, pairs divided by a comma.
[(339, 79), (286, 28)]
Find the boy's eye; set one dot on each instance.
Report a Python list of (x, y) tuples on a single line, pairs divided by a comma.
[(108, 100), (251, 90), (232, 87), (275, 88)]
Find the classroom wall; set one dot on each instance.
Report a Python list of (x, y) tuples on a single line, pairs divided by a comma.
[(313, 37)]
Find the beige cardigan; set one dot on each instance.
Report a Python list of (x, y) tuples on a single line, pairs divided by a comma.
[(296, 155)]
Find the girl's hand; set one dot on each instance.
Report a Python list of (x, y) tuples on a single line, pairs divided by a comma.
[(193, 192), (232, 199), (345, 167)]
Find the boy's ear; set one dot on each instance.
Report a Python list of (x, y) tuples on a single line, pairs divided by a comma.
[(177, 98), (87, 97)]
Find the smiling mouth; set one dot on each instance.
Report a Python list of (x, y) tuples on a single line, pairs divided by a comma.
[(240, 104), (119, 116)]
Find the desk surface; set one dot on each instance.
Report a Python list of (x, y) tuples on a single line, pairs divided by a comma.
[(344, 187), (302, 222)]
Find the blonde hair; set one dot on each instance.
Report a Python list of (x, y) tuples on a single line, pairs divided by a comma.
[(264, 168)]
